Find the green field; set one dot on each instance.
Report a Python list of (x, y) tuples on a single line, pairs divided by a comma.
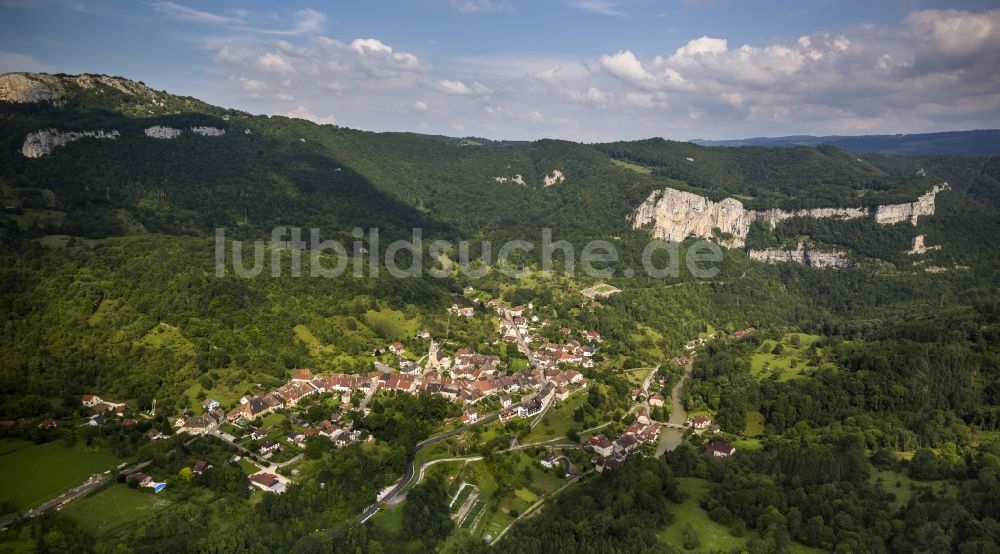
[(904, 491), (113, 507), (558, 420), (32, 473), (169, 337), (714, 537), (764, 364), (633, 167), (391, 324)]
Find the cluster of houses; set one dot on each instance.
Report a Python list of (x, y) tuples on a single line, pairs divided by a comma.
[(610, 454)]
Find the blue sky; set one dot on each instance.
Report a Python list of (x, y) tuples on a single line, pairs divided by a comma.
[(576, 69)]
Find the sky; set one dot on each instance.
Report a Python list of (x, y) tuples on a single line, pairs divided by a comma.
[(586, 70)]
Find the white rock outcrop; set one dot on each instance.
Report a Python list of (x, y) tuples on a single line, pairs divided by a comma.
[(159, 132), (553, 178), (676, 215), (208, 131), (919, 247), (43, 142), (517, 179), (805, 256), (911, 211)]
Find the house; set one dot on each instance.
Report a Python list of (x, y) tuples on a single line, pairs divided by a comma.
[(97, 420), (601, 446), (48, 423), (626, 443), (549, 461), (258, 434), (296, 437), (210, 404), (128, 422), (714, 428), (91, 400), (656, 400), (267, 482), (155, 434), (607, 464), (201, 466), (397, 348), (701, 422), (505, 402), (269, 447), (719, 449), (302, 375), (140, 479), (469, 416), (562, 393)]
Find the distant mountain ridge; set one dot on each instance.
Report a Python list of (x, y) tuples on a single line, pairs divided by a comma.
[(966, 143)]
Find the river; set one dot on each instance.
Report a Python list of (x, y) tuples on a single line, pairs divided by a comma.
[(670, 438)]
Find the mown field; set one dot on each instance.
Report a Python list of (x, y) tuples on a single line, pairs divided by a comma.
[(31, 474), (115, 507)]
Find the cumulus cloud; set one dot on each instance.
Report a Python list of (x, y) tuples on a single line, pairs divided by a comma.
[(302, 112), (933, 70), (449, 86)]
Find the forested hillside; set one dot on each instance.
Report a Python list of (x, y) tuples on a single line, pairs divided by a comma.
[(837, 386)]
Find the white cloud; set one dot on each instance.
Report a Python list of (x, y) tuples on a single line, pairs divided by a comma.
[(449, 86), (178, 11), (601, 7), (935, 69), (475, 6), (302, 112), (274, 63), (15, 61)]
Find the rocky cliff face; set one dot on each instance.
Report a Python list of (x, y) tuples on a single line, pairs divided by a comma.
[(553, 178), (804, 256), (911, 211), (159, 132), (676, 215), (208, 131), (43, 142), (24, 88)]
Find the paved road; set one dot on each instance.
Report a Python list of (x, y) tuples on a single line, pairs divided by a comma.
[(649, 378), (409, 473)]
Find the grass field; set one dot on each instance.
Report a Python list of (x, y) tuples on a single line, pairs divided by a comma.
[(167, 336), (391, 324), (558, 420), (32, 473), (714, 537), (904, 491), (633, 167), (755, 424), (113, 507), (764, 364)]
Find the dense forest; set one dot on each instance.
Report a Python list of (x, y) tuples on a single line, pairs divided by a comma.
[(107, 286)]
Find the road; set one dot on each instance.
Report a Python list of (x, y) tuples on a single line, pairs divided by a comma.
[(409, 473), (649, 378)]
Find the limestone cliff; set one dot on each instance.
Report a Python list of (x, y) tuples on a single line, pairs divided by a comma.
[(208, 131), (676, 215), (25, 88), (911, 211), (804, 256), (43, 142), (159, 132)]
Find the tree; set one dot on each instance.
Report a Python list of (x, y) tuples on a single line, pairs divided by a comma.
[(186, 473), (690, 537)]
